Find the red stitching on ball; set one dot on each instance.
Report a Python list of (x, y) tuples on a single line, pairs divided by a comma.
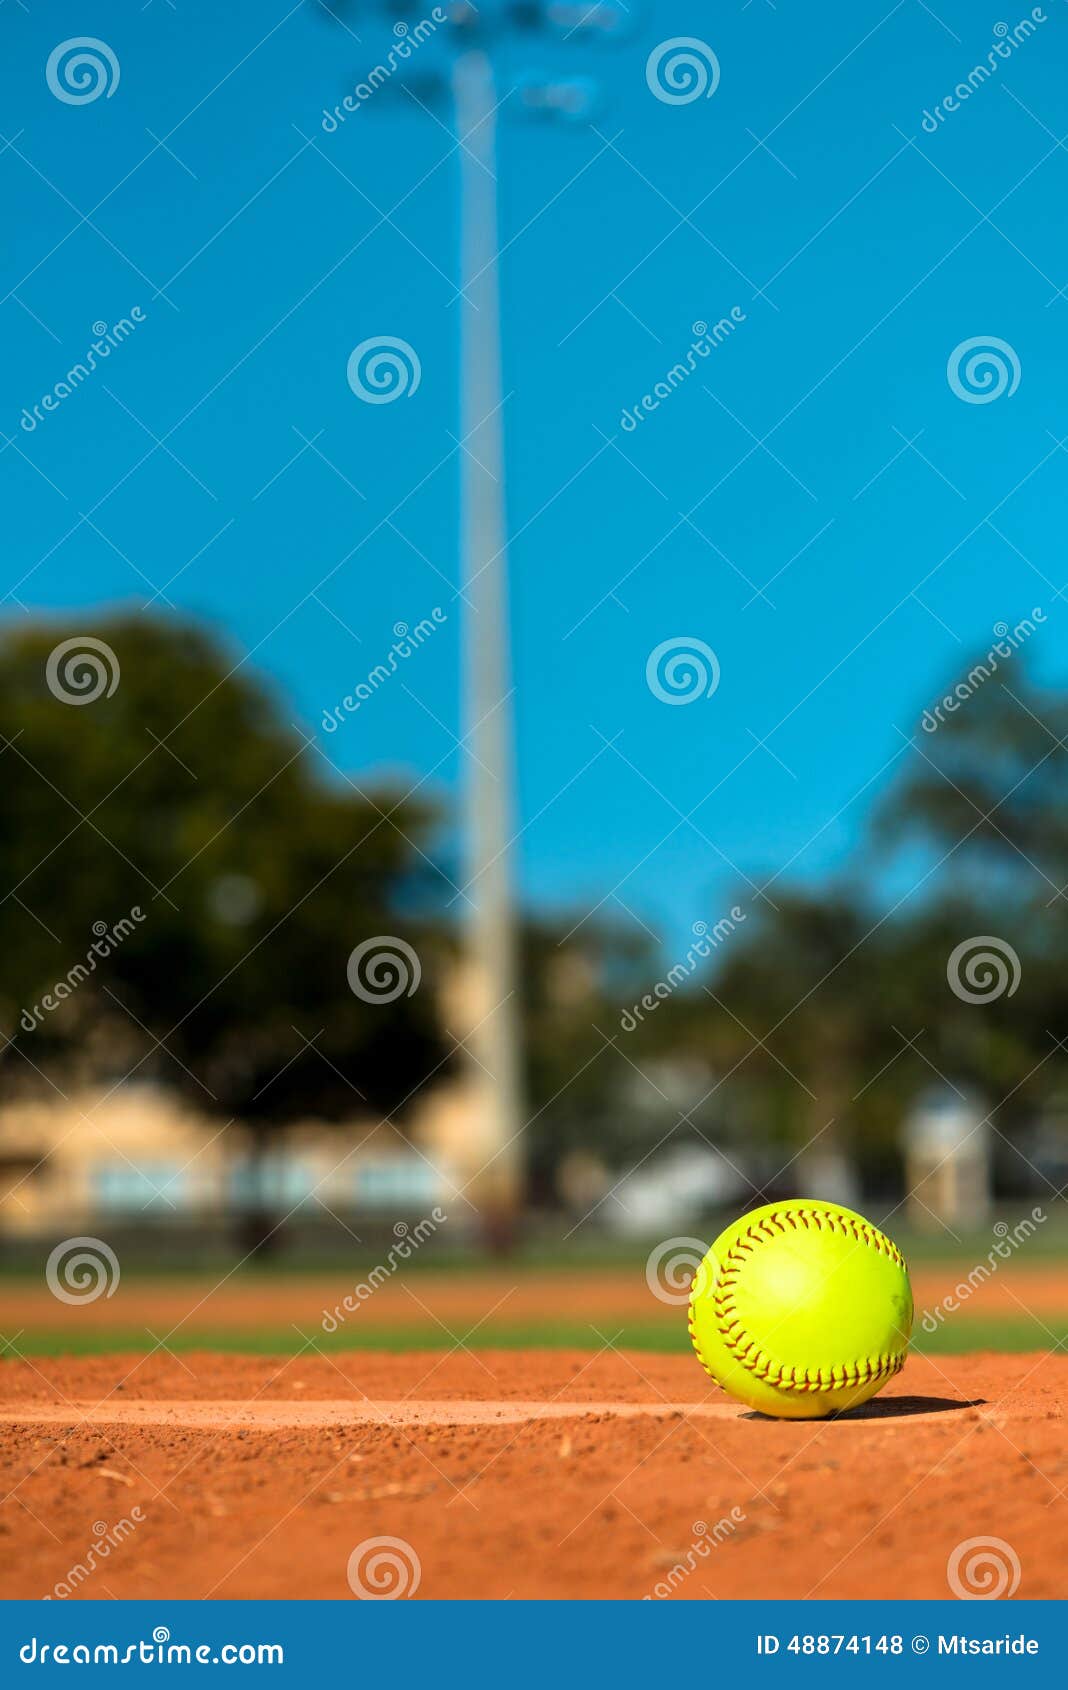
[(747, 1351)]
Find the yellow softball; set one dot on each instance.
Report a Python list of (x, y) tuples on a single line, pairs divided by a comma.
[(801, 1309)]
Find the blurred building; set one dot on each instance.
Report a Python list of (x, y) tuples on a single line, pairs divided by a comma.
[(675, 1189), (136, 1158), (1045, 1144), (948, 1161)]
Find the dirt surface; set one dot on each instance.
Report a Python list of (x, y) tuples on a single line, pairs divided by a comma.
[(456, 1299), (491, 1494), (339, 1414)]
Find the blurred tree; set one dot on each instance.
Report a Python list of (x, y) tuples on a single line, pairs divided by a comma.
[(787, 1021), (987, 800), (181, 793), (989, 789), (837, 1007)]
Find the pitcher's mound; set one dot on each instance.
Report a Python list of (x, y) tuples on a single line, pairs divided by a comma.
[(519, 1474)]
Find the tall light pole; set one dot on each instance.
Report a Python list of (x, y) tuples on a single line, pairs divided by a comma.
[(495, 1040), (494, 1140)]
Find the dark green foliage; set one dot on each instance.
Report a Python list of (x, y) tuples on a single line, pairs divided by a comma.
[(187, 795)]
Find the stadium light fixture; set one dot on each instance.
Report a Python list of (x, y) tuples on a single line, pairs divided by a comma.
[(472, 35)]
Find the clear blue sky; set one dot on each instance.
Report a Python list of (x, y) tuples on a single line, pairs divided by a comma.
[(805, 191)]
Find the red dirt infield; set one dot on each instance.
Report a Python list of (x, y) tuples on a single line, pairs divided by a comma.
[(522, 1474), (207, 1302)]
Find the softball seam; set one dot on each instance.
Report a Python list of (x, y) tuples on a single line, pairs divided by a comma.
[(747, 1351)]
